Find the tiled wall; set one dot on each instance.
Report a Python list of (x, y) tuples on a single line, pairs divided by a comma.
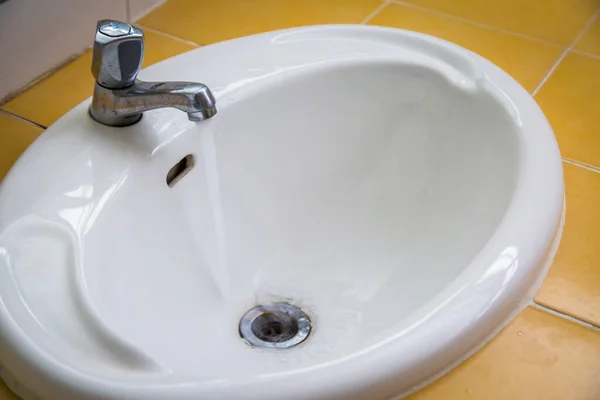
[(551, 351), (37, 35)]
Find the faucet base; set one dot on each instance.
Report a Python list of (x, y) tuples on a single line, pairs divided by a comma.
[(105, 118)]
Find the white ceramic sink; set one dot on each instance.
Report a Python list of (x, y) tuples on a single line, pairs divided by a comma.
[(404, 192)]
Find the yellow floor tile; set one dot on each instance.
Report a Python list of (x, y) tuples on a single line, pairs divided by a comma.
[(570, 101), (209, 21), (15, 136), (573, 283), (590, 42), (557, 21), (528, 61), (49, 99), (537, 357)]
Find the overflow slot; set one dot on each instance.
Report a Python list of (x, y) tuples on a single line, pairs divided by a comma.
[(180, 169)]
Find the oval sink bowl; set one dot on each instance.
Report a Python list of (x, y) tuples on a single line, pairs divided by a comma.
[(402, 195)]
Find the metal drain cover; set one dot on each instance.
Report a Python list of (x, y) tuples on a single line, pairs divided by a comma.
[(275, 325)]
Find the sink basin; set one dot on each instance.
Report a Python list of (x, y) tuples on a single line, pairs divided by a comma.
[(403, 192)]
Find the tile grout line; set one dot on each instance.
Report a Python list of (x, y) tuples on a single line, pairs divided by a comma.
[(3, 111), (6, 99), (168, 35), (375, 12), (585, 53), (564, 316), (582, 165), (566, 51), (475, 23)]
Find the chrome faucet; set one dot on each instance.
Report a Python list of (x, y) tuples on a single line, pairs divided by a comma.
[(119, 98)]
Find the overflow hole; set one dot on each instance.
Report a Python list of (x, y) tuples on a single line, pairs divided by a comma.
[(180, 169)]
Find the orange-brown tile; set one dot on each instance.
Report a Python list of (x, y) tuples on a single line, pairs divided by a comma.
[(537, 357), (209, 21), (49, 99), (557, 21), (15, 136), (528, 61), (570, 101), (573, 283)]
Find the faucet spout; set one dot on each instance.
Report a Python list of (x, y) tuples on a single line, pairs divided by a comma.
[(121, 107)]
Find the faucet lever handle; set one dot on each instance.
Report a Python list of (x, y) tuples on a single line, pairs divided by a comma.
[(118, 53)]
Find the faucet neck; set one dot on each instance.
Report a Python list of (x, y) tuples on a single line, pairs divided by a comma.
[(122, 107)]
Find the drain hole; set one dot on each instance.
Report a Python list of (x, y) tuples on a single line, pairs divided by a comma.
[(180, 169), (279, 325), (272, 327)]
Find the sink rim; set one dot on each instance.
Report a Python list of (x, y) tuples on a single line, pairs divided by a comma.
[(531, 170)]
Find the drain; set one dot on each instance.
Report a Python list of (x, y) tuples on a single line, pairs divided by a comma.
[(275, 325)]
